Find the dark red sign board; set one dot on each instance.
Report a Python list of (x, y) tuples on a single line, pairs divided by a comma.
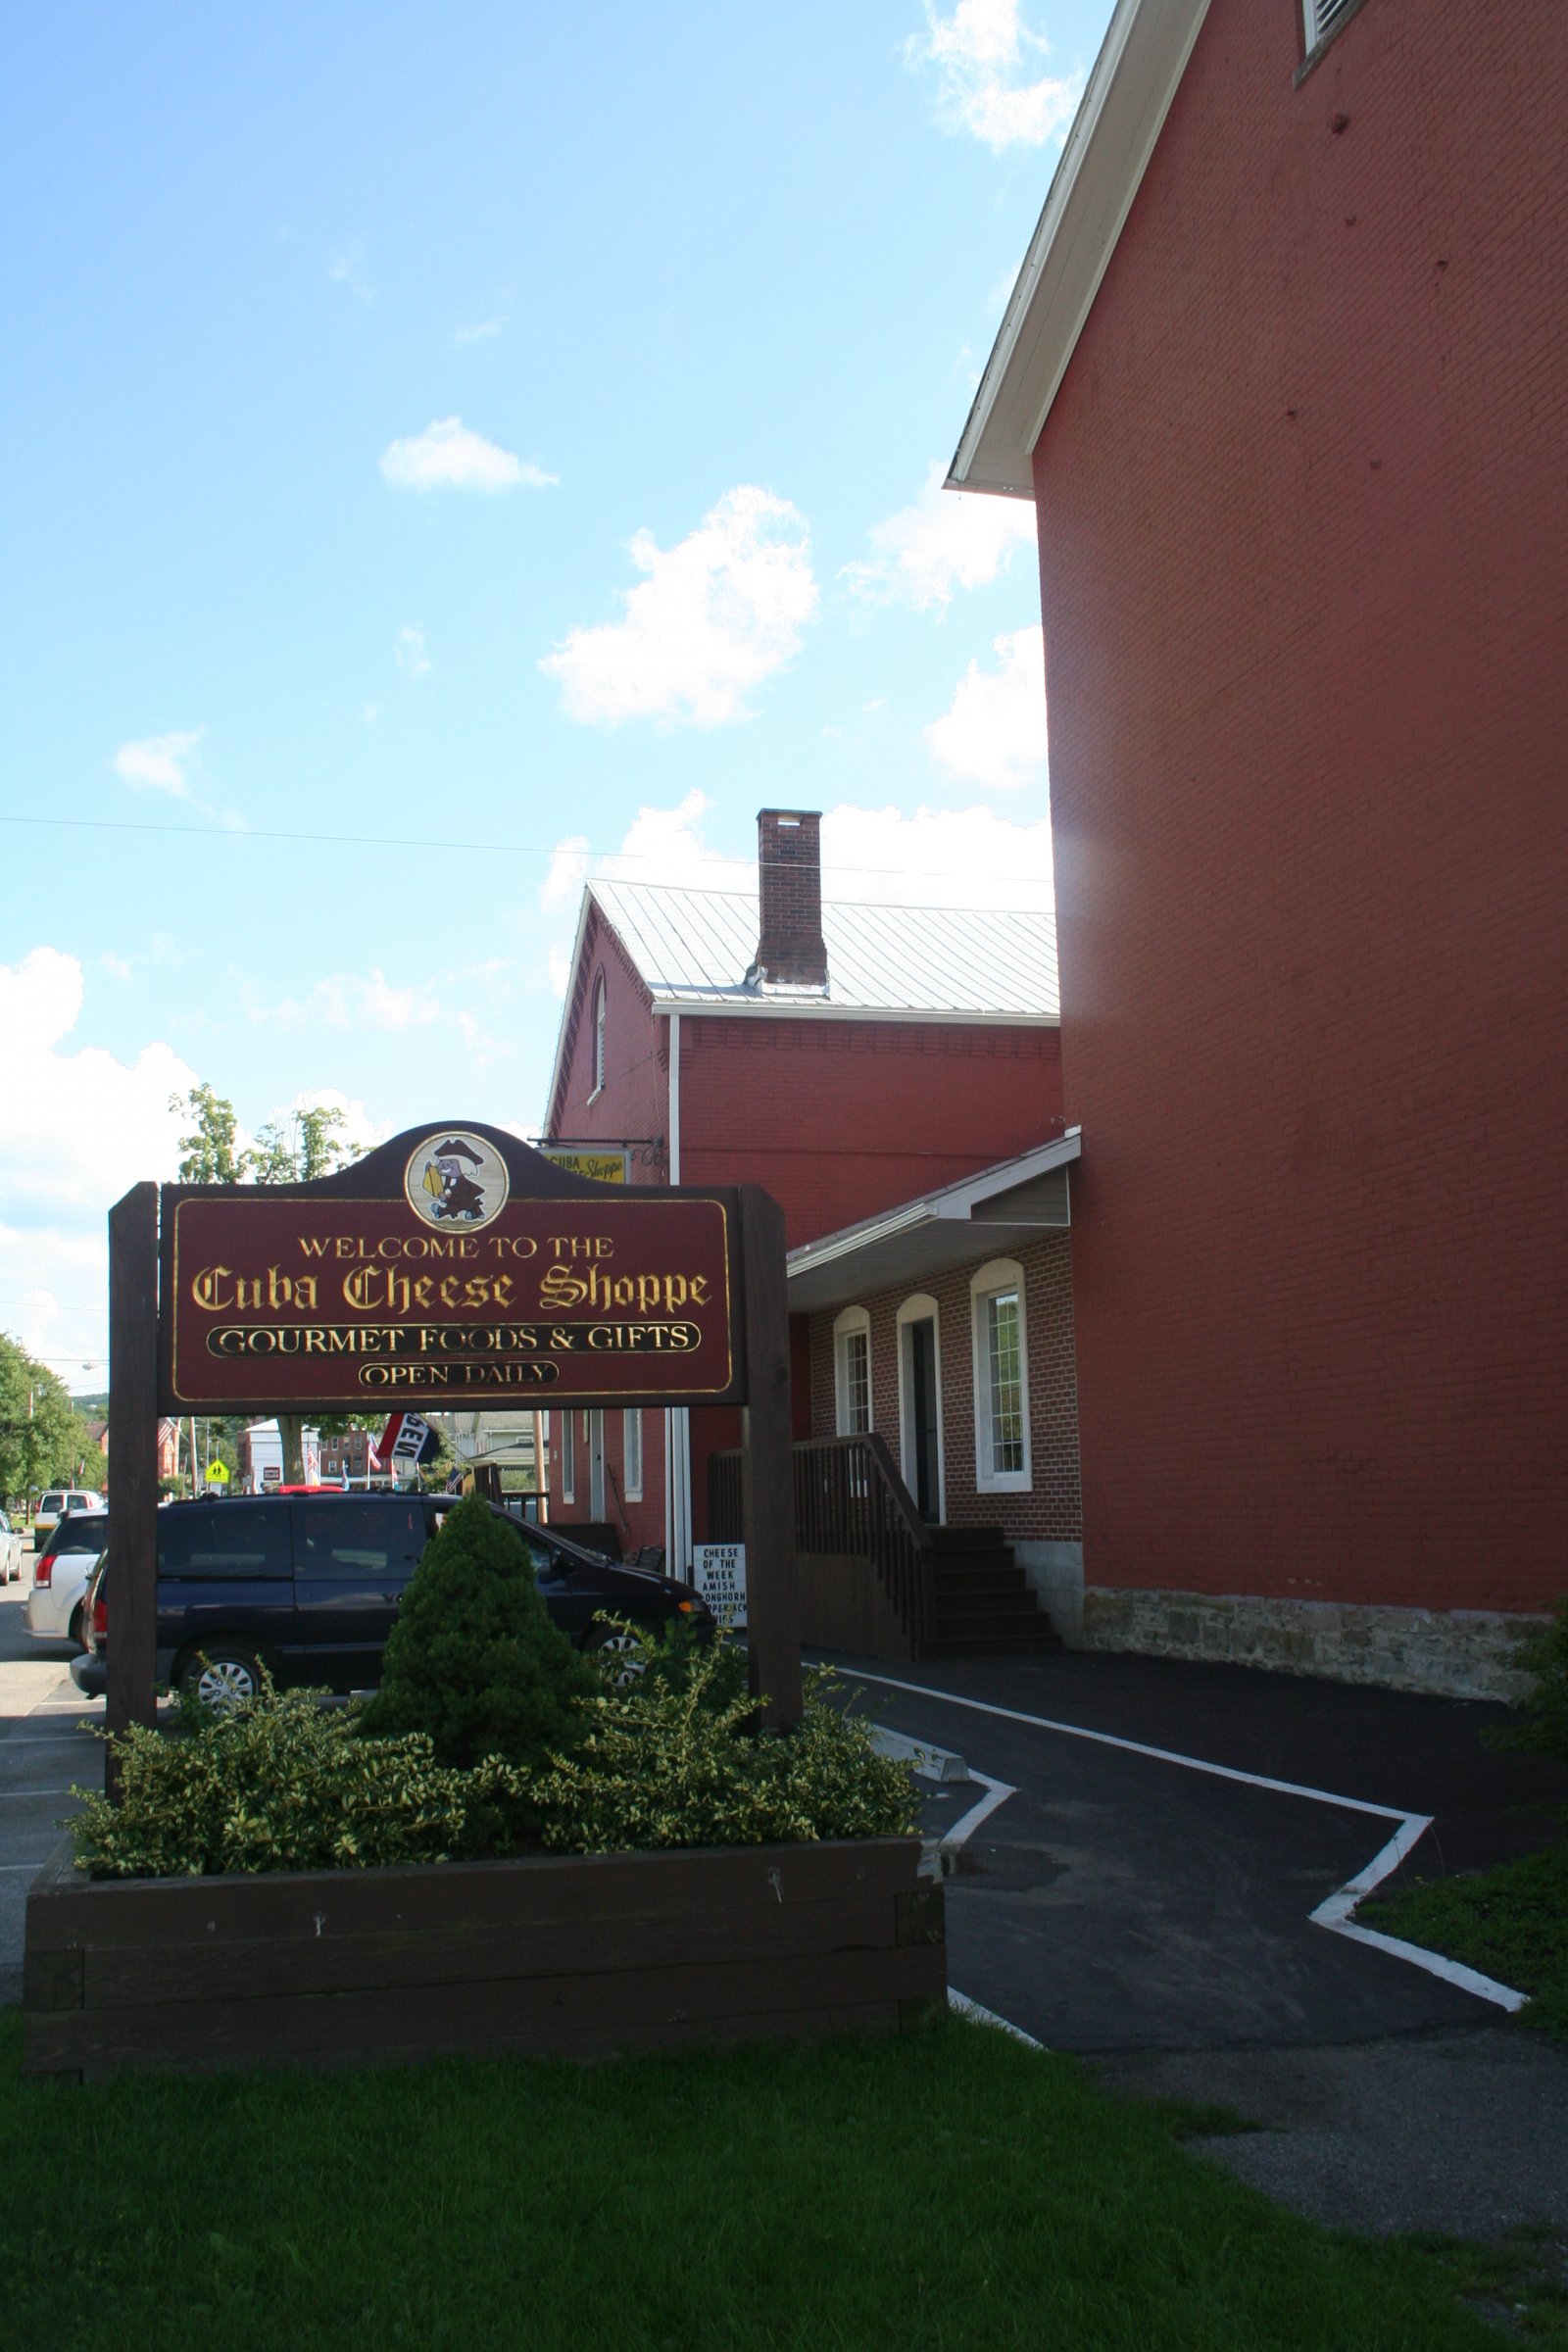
[(436, 1277)]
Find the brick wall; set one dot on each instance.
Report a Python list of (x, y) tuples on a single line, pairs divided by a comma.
[(1051, 1511), (1302, 502), (840, 1119)]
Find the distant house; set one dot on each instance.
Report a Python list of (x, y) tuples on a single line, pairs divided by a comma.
[(856, 1060), (1283, 374)]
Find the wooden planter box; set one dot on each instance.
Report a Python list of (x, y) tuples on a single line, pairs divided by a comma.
[(579, 1956)]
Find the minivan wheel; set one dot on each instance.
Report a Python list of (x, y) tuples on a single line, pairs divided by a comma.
[(74, 1632), (625, 1647), (224, 1678)]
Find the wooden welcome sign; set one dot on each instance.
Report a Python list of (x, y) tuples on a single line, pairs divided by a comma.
[(452, 1267)]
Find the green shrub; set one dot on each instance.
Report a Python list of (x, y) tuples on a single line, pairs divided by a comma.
[(669, 1762), (284, 1784), (1541, 1725), (473, 1660)]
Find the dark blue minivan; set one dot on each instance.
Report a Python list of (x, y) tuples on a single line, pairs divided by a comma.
[(309, 1584)]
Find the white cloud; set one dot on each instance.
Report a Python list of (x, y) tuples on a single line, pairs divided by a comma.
[(351, 1000), (160, 763), (717, 613), (946, 540), (447, 456), (993, 733), (344, 267), (484, 333), (358, 1126), (410, 656), (983, 54), (78, 1128)]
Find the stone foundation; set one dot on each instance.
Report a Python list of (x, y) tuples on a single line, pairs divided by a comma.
[(1459, 1653)]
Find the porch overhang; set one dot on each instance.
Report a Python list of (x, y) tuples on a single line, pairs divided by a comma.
[(989, 1215)]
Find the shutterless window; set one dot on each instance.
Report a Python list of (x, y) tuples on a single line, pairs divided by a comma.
[(224, 1540), (599, 1034), (632, 1453), (1004, 1341), (852, 1372)]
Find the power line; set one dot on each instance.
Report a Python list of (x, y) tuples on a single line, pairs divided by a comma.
[(501, 849)]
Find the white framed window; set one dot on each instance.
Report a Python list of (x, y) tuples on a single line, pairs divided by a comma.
[(1000, 1378), (598, 1072), (631, 1458), (852, 1373), (922, 1457), (566, 1424), (1322, 19)]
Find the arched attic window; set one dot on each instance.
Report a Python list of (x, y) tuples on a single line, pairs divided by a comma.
[(598, 1071)]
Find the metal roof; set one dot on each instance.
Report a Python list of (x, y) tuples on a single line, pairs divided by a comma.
[(980, 1216), (693, 949)]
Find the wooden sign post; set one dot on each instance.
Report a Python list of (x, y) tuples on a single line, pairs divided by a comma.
[(452, 1266)]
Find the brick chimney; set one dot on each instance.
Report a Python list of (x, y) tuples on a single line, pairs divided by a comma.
[(790, 951)]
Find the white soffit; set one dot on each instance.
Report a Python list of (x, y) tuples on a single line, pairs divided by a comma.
[(1003, 1208), (1135, 76)]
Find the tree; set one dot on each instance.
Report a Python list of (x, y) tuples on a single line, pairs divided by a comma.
[(42, 1435), (210, 1152), (291, 1148)]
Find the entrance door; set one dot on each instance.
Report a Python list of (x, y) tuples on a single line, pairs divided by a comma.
[(596, 1467), (920, 1339)]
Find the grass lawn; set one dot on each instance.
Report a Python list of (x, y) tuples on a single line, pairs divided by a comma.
[(952, 2188), (1511, 1923)]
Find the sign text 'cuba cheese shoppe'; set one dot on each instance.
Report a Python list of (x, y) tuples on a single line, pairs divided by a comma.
[(456, 1291)]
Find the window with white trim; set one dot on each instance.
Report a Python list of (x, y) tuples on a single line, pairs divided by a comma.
[(1322, 20), (631, 1457), (1000, 1378), (852, 1372), (599, 1038), (566, 1423)]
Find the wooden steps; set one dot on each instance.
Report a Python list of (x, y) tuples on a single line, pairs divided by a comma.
[(984, 1605)]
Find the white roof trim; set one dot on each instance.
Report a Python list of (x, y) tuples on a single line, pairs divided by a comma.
[(954, 1203), (556, 1069), (749, 1006), (1134, 79)]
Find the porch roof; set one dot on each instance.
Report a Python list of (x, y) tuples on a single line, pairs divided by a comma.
[(981, 1217)]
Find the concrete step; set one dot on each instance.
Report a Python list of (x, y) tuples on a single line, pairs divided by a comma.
[(1002, 1577), (968, 1539), (961, 1608), (993, 1645)]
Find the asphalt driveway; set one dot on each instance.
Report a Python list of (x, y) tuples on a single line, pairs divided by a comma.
[(1153, 1918)]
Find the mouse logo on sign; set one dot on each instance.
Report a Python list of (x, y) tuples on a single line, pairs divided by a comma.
[(455, 1179)]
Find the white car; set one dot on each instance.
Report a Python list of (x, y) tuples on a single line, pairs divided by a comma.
[(60, 1575), (53, 1506), (10, 1552)]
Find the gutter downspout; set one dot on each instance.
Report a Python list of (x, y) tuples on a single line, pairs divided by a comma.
[(678, 1418)]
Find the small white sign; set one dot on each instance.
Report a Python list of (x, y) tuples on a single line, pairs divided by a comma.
[(718, 1571)]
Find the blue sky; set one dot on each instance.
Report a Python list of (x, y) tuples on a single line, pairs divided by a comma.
[(500, 440)]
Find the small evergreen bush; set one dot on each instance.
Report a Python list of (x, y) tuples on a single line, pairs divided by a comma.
[(473, 1660), (669, 1761), (284, 1784)]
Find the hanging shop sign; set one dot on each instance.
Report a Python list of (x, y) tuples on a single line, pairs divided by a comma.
[(456, 1268), (610, 1166)]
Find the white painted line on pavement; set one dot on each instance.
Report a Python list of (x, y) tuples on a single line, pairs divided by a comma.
[(962, 1830), (1334, 1912), (988, 2017)]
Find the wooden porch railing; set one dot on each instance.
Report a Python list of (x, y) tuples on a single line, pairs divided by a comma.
[(848, 1497)]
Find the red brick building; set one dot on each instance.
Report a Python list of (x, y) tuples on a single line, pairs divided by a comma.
[(850, 1058), (1284, 376)]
